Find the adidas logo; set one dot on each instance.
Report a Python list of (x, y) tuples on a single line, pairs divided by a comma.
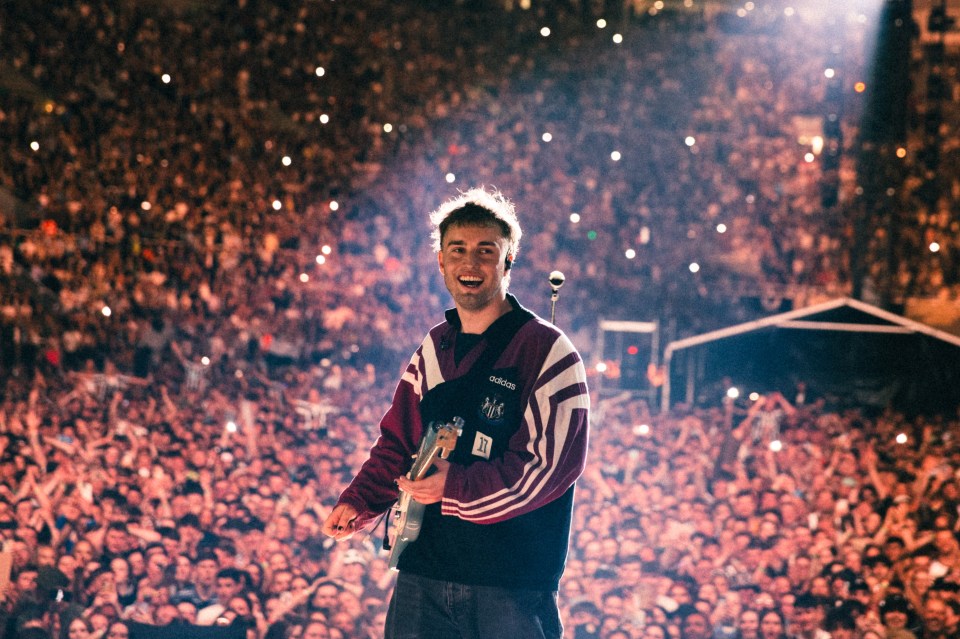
[(502, 382)]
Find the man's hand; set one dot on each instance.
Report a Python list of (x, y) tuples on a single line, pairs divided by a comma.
[(341, 524), (428, 490)]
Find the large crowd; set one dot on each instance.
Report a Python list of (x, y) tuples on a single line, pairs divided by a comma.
[(126, 503), (215, 261)]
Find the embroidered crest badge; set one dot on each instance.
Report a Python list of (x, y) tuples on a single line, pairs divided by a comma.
[(492, 409)]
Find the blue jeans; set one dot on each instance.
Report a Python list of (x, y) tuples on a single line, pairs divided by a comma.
[(424, 608)]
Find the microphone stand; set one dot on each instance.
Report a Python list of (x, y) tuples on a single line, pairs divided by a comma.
[(556, 280)]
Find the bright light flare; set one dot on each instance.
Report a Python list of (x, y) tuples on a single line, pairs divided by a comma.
[(320, 71), (630, 254), (546, 137), (934, 247), (545, 32), (165, 78), (733, 392), (277, 205), (575, 218), (34, 146), (450, 178), (721, 228), (617, 38), (231, 426), (321, 259), (615, 156), (325, 249), (754, 396), (776, 446), (205, 360), (304, 278), (106, 311), (324, 118), (601, 367), (334, 205), (387, 127), (901, 438), (601, 24), (286, 160), (694, 267)]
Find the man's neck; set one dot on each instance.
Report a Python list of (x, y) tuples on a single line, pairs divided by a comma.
[(479, 321)]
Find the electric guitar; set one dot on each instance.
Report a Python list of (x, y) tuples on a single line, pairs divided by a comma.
[(439, 440)]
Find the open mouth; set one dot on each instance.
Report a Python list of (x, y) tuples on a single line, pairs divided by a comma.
[(470, 281)]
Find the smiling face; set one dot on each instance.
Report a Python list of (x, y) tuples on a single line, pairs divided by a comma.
[(472, 261), (749, 623)]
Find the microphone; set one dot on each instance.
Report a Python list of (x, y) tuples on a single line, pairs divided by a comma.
[(556, 280)]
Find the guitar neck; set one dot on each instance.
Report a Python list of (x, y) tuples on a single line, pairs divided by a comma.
[(423, 463)]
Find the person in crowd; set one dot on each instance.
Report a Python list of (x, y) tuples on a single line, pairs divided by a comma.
[(748, 624), (694, 624), (772, 624), (118, 630), (898, 618), (935, 618), (230, 583), (79, 628)]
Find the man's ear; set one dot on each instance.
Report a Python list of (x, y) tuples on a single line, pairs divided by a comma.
[(508, 263)]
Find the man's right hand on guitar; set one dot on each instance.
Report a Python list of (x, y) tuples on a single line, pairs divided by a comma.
[(341, 524)]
